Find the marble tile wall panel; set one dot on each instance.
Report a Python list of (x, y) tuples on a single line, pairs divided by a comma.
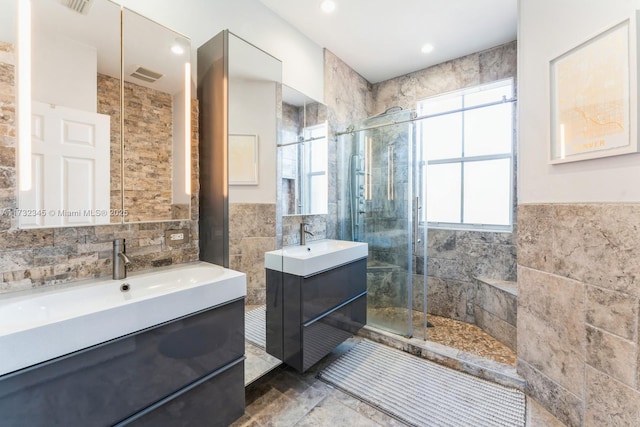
[(41, 257), (551, 326), (561, 403), (598, 244), (503, 331), (500, 303), (535, 236), (612, 355), (448, 298), (317, 224), (596, 247), (483, 67), (498, 63), (347, 94), (609, 402), (252, 232), (612, 311)]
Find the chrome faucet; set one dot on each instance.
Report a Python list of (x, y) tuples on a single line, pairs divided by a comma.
[(120, 259), (303, 233)]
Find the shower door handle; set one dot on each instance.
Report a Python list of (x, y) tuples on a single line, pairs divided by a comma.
[(416, 221)]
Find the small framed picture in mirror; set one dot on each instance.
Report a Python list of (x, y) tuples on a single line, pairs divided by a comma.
[(243, 159)]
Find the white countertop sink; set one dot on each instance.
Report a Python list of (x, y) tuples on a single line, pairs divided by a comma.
[(43, 323), (315, 256)]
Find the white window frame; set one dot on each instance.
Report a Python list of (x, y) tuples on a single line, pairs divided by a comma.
[(462, 160), (307, 174)]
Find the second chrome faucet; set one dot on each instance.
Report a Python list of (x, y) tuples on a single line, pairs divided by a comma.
[(303, 233), (120, 259)]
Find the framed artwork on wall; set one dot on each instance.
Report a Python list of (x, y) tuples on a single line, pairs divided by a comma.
[(593, 102), (243, 159)]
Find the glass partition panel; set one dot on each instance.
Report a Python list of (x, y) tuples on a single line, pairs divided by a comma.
[(380, 205)]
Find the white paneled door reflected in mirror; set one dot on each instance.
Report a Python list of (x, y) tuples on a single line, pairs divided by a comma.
[(76, 117)]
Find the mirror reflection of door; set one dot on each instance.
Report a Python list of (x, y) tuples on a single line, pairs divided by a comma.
[(71, 167), (69, 147), (72, 128)]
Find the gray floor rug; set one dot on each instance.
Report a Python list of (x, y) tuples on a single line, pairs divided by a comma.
[(255, 329), (423, 393)]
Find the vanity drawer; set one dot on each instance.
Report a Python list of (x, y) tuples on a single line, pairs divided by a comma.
[(216, 402), (104, 384), (320, 337), (325, 291)]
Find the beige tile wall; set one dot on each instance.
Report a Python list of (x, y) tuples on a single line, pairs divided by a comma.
[(252, 232), (578, 304)]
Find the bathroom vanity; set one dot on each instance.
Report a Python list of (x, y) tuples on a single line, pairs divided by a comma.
[(316, 299), (168, 351)]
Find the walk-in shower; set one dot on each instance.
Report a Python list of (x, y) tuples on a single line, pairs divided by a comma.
[(383, 165)]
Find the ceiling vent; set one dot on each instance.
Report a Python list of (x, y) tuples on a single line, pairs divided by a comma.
[(80, 6), (146, 74)]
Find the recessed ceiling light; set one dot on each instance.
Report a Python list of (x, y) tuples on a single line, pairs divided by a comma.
[(178, 46), (427, 48), (328, 6)]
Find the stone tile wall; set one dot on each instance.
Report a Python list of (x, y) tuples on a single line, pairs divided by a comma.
[(252, 232), (578, 304), (495, 309), (148, 151), (482, 67), (317, 224), (349, 99), (40, 257)]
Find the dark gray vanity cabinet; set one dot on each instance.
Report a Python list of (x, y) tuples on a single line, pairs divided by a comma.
[(188, 371), (309, 316)]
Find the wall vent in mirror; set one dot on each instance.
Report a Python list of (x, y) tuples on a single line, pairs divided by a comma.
[(146, 74), (80, 6)]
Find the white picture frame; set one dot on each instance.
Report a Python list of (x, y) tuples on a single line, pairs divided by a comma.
[(243, 159), (593, 106)]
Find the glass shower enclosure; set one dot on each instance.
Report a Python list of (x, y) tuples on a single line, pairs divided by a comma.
[(380, 201)]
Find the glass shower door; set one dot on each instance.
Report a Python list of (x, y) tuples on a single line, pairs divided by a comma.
[(383, 200)]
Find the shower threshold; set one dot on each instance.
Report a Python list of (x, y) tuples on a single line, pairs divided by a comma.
[(460, 360)]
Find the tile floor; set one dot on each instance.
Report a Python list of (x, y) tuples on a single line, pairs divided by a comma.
[(284, 398), (277, 395), (257, 363)]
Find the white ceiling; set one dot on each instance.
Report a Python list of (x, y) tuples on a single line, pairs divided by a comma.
[(381, 39)]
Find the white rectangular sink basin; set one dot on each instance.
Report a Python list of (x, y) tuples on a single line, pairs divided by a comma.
[(44, 323), (315, 256)]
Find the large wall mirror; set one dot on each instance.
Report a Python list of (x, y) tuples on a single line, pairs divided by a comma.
[(157, 114), (109, 140), (303, 146)]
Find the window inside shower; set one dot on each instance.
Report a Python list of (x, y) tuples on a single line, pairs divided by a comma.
[(466, 147)]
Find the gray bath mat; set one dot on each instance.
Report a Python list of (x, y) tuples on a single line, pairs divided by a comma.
[(255, 326), (423, 393)]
